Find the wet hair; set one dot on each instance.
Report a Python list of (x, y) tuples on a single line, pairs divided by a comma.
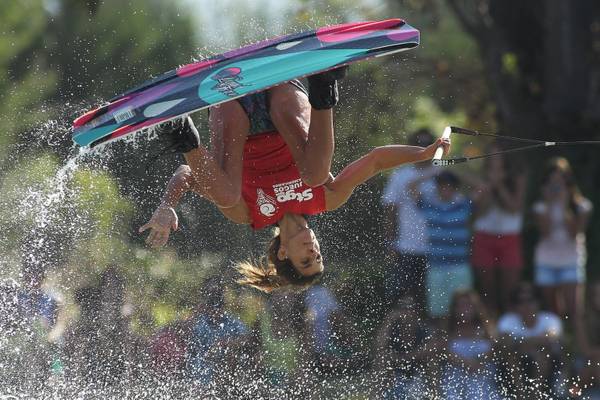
[(271, 273)]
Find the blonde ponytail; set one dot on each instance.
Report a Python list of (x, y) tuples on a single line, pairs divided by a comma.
[(271, 273), (262, 275)]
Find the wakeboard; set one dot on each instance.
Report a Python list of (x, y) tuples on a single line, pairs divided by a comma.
[(240, 72)]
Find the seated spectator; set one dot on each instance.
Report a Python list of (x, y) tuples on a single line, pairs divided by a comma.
[(469, 373), (343, 351), (404, 351), (530, 340), (35, 301), (447, 215), (169, 349), (588, 339), (100, 349), (282, 337), (334, 338), (81, 341), (24, 355), (320, 304), (214, 331)]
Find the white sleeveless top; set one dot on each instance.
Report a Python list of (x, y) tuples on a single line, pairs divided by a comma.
[(498, 221)]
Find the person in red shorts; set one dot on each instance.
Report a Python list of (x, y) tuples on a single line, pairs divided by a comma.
[(496, 251), (269, 165)]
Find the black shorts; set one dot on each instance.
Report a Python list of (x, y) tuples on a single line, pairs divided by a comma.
[(257, 109)]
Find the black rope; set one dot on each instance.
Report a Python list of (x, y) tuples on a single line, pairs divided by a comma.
[(536, 144), (469, 132)]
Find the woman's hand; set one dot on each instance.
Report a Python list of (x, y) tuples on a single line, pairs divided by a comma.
[(429, 151), (163, 220)]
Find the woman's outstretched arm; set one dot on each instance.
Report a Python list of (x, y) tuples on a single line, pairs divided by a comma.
[(164, 217), (378, 160)]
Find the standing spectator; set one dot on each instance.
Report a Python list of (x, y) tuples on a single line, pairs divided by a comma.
[(588, 339), (530, 340), (470, 371), (406, 231), (562, 215), (447, 215), (497, 255), (404, 351)]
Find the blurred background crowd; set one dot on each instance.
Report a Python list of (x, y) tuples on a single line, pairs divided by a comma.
[(458, 316), (478, 282)]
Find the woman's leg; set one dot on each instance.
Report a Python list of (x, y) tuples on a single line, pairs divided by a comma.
[(487, 286), (218, 172), (307, 132), (549, 295), (509, 278), (572, 294)]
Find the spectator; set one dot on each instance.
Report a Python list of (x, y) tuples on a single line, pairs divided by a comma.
[(82, 358), (447, 215), (101, 349), (283, 336), (530, 341), (24, 354), (169, 349), (334, 338), (497, 256), (406, 231), (589, 343), (469, 373), (320, 305), (562, 215), (35, 301), (342, 353), (214, 332), (404, 351)]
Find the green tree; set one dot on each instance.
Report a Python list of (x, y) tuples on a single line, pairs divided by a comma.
[(25, 80), (542, 63)]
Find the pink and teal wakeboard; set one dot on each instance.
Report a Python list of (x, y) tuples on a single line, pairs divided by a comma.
[(238, 73)]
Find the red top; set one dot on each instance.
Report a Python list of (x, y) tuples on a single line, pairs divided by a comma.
[(271, 183)]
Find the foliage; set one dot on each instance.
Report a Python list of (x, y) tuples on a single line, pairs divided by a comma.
[(532, 54), (25, 80), (56, 60), (121, 45)]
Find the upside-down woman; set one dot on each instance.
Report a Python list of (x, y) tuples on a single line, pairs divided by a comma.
[(269, 165)]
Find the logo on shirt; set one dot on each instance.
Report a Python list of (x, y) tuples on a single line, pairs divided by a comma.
[(228, 81), (287, 191), (266, 204)]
